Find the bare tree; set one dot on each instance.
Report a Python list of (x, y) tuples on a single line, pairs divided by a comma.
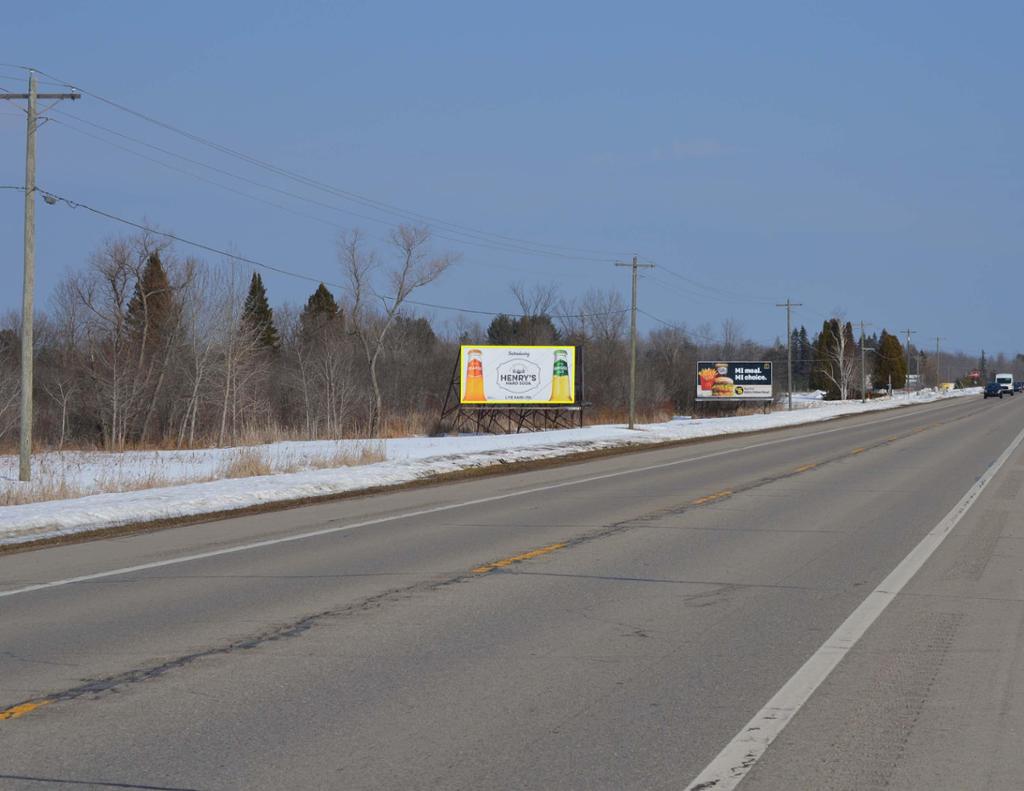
[(415, 267), (536, 300), (840, 364)]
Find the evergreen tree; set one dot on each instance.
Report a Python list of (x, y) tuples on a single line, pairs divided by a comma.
[(502, 330), (415, 335), (152, 304), (891, 362), (258, 316), (538, 329), (527, 330), (321, 311), (805, 358)]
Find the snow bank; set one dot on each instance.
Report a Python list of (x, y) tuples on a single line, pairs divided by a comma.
[(407, 459)]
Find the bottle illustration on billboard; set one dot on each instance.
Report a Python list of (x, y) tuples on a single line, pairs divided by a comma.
[(474, 390), (560, 377)]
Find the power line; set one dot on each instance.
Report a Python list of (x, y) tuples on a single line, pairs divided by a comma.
[(728, 295), (466, 230), (246, 180), (53, 197)]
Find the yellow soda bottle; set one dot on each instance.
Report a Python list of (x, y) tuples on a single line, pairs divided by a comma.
[(560, 378), (474, 390)]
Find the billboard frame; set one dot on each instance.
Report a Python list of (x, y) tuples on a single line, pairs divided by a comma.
[(732, 364), (516, 416)]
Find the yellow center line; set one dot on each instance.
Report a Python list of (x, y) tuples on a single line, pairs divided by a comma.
[(806, 467), (858, 450), (711, 497), (500, 564), (22, 709)]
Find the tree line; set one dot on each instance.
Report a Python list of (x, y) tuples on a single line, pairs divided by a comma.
[(144, 347)]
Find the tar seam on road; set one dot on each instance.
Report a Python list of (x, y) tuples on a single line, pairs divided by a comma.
[(22, 709), (533, 553), (427, 511), (711, 497), (732, 764)]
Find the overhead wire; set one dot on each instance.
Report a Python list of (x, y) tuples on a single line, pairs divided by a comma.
[(535, 248), (74, 204), (253, 182)]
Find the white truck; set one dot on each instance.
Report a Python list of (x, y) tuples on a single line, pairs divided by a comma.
[(1005, 382)]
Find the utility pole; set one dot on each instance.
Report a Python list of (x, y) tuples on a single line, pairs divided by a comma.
[(907, 380), (863, 368), (789, 305), (28, 287), (938, 370), (632, 342)]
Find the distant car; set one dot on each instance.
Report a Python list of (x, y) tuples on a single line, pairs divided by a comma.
[(1018, 387), (994, 389)]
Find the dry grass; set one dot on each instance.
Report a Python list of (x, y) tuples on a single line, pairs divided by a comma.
[(52, 481), (48, 485), (367, 453), (243, 463), (596, 416)]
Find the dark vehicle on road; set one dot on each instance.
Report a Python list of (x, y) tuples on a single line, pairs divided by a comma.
[(1018, 387), (993, 389)]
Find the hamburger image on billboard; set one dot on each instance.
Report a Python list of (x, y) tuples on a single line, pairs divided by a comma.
[(518, 374), (718, 381)]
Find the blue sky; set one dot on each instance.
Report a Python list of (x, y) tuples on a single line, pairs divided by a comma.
[(862, 158)]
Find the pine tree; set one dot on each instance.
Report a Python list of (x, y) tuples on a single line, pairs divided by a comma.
[(258, 316), (152, 304), (891, 362), (806, 357), (502, 330), (321, 311)]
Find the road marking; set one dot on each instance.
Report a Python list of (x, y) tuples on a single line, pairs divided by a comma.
[(326, 531), (855, 451), (806, 467), (735, 760), (21, 709), (711, 497), (533, 553)]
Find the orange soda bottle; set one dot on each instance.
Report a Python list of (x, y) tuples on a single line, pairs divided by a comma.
[(560, 378), (474, 389)]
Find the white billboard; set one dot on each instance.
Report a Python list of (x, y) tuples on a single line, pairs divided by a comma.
[(540, 375)]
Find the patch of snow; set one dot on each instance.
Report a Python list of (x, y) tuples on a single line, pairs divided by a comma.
[(407, 459)]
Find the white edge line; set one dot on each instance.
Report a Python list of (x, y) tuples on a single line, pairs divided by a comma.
[(738, 757), (427, 511)]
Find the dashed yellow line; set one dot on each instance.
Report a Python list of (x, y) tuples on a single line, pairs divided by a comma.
[(806, 467), (533, 553), (855, 451), (711, 497), (22, 709)]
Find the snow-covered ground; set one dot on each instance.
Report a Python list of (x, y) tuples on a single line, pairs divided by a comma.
[(406, 460)]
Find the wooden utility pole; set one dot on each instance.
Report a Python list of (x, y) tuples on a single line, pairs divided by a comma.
[(28, 287), (863, 368), (789, 305), (907, 381), (632, 341), (938, 370)]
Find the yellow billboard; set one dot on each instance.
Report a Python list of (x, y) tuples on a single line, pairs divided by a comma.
[(517, 374)]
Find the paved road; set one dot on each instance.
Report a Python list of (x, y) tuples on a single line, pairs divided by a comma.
[(672, 594)]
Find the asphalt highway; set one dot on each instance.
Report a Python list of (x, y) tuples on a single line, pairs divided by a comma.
[(610, 624)]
